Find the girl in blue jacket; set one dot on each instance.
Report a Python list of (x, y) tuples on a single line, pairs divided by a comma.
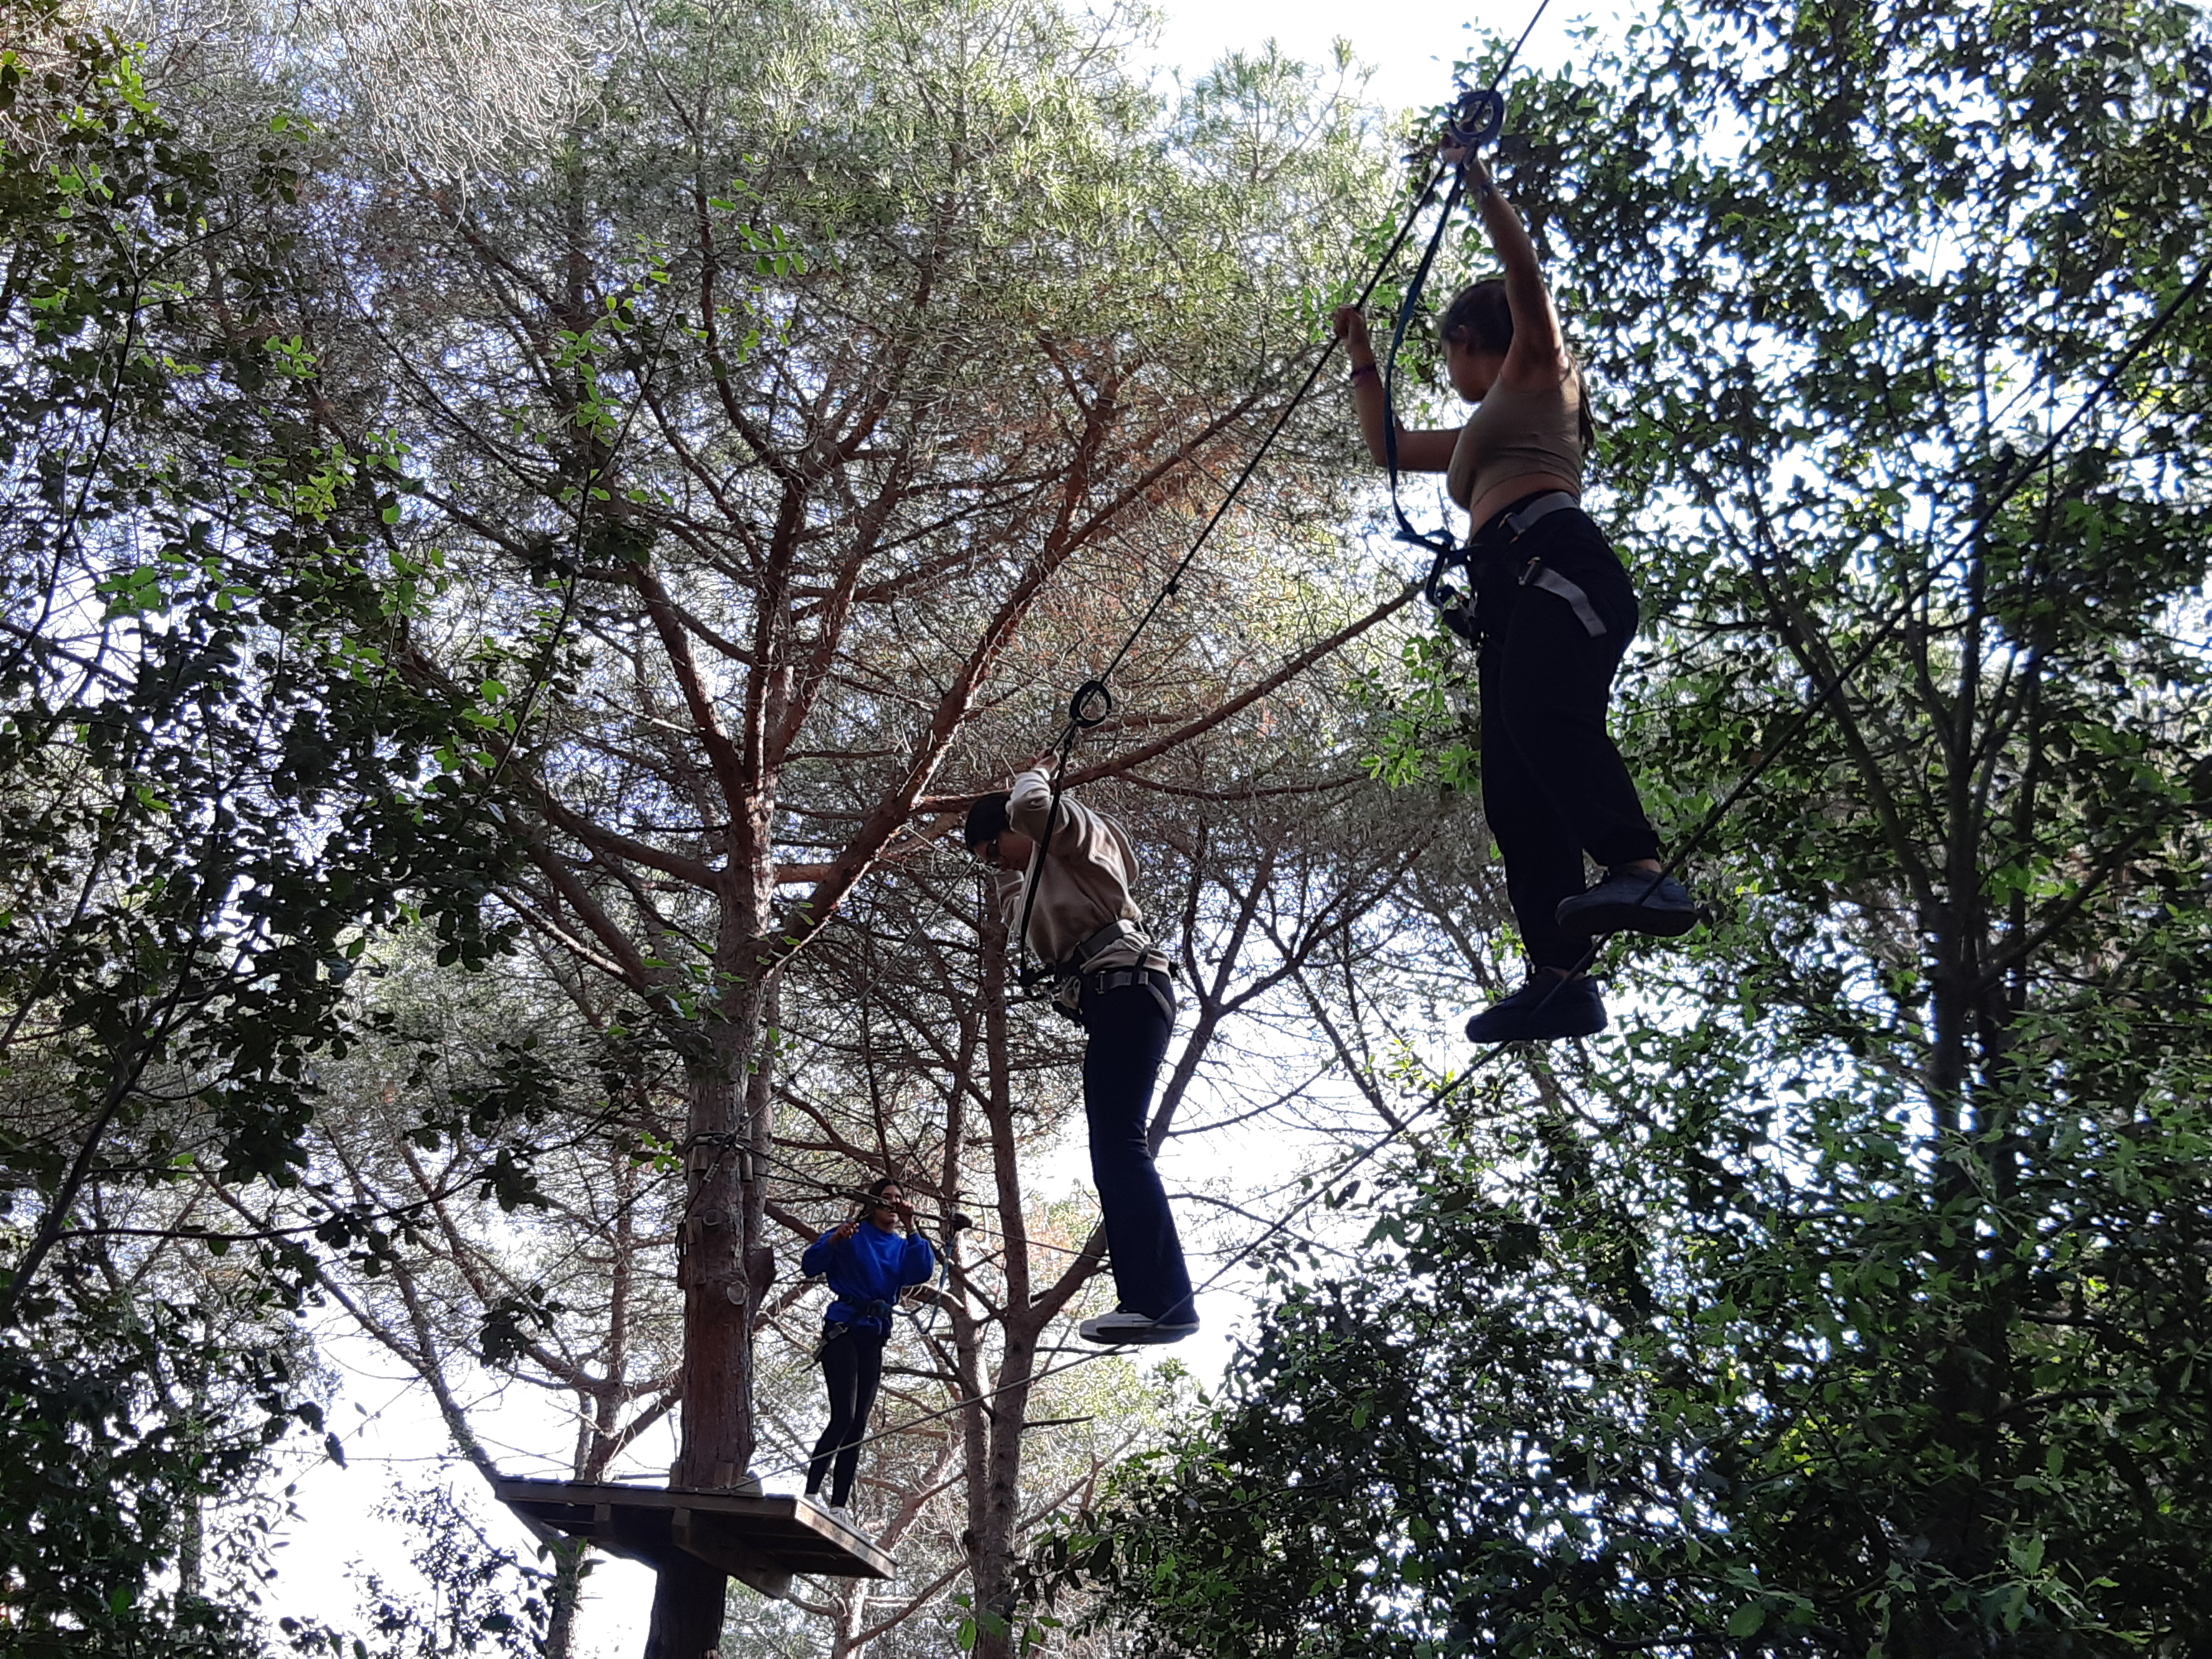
[(867, 1264)]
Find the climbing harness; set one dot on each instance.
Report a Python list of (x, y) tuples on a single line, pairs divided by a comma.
[(1460, 609), (1066, 981)]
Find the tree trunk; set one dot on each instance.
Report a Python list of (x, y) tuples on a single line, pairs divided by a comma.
[(994, 1500), (567, 1583), (718, 1257), (995, 1511), (687, 1610)]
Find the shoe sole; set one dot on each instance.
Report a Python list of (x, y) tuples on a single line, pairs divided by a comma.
[(1630, 919), (1535, 1037), (1150, 1336)]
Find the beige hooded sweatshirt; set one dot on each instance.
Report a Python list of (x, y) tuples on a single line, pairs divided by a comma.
[(1082, 886)]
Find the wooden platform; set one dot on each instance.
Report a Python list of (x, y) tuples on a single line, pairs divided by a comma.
[(760, 1541)]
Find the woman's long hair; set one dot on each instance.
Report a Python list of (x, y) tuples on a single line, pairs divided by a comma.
[(1479, 317)]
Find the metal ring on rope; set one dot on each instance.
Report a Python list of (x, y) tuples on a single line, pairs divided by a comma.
[(1477, 118), (1079, 705)]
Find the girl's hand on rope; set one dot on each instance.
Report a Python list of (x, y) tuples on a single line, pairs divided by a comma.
[(1041, 761), (847, 1231), (1350, 325), (1451, 148)]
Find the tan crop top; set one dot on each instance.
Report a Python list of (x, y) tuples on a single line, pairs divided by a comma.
[(1513, 433)]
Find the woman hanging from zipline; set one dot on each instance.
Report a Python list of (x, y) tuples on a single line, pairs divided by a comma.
[(1554, 612)]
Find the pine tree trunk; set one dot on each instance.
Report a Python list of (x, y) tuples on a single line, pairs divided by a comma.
[(720, 1262), (994, 1501)]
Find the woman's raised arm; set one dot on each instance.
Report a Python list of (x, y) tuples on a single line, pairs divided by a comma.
[(1538, 357), (1417, 452)]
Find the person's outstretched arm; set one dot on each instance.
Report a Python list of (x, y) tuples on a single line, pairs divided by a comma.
[(1538, 359), (1028, 808), (1426, 450), (820, 1253)]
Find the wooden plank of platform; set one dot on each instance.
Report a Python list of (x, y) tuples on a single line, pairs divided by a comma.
[(759, 1540)]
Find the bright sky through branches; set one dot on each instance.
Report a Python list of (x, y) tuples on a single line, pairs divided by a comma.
[(1411, 53)]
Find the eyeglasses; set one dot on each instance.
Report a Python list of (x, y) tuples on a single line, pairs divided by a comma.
[(988, 851)]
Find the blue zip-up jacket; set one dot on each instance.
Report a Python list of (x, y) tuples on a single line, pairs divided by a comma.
[(872, 1267)]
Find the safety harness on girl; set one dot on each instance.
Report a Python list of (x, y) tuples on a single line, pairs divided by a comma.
[(1477, 119)]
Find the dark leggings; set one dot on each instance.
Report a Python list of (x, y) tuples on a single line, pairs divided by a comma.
[(1129, 1032), (851, 1365), (1554, 785)]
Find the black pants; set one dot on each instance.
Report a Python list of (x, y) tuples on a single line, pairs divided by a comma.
[(851, 1365), (1554, 785), (1129, 1032)]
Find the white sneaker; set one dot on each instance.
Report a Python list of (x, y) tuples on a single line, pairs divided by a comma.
[(1124, 1326)]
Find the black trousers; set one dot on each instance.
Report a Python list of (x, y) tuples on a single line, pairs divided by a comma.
[(1553, 784), (1129, 1033), (851, 1365)]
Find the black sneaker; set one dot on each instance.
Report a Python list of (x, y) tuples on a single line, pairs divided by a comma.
[(1544, 1010), (1630, 902)]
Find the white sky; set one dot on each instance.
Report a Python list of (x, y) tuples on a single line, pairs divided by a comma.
[(390, 1432), (1412, 52)]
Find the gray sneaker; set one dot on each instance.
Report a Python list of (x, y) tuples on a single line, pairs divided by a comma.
[(1630, 902), (1122, 1326)]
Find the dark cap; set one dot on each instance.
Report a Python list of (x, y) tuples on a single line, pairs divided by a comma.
[(986, 819)]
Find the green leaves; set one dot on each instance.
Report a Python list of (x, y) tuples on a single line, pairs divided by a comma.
[(215, 792)]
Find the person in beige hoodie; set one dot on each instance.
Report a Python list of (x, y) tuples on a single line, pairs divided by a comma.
[(1087, 930)]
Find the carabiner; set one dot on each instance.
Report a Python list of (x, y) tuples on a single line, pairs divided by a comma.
[(1087, 695)]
